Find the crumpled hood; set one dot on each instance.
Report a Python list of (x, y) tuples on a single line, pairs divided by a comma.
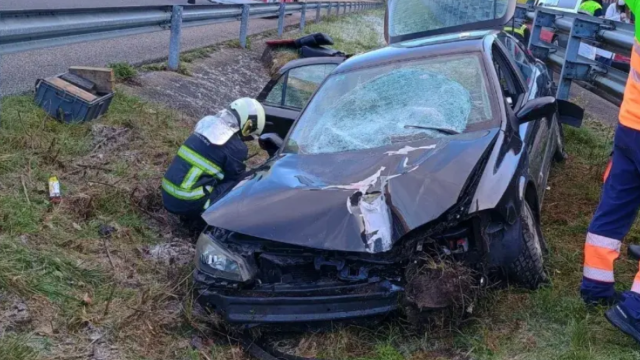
[(360, 201)]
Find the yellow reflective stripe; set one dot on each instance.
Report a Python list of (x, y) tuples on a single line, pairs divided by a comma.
[(192, 176), (180, 193), (207, 204), (195, 159)]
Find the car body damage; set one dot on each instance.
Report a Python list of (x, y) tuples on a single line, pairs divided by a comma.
[(376, 201), (369, 202)]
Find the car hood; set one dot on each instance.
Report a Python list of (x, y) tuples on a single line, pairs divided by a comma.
[(360, 201)]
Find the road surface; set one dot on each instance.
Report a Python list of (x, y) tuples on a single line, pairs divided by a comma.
[(19, 72), (67, 4)]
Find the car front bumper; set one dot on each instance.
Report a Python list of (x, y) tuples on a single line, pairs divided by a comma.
[(282, 303)]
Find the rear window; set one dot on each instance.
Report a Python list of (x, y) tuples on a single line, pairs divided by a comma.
[(394, 103), (417, 16)]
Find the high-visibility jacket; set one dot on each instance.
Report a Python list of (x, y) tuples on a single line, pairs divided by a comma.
[(630, 109), (194, 178), (592, 8)]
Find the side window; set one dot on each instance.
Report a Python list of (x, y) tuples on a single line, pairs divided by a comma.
[(303, 82), (511, 88), (517, 53), (275, 96)]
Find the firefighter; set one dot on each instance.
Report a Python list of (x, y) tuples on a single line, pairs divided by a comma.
[(211, 161), (591, 7), (617, 210)]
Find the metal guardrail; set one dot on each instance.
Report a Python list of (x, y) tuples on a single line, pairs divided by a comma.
[(35, 29), (25, 30), (605, 34)]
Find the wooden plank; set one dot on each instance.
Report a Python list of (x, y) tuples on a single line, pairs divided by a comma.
[(104, 78), (72, 89)]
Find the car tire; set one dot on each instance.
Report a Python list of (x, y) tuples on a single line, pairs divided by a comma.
[(528, 268), (559, 155)]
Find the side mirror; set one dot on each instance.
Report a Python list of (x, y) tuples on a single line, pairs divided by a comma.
[(537, 109), (270, 143)]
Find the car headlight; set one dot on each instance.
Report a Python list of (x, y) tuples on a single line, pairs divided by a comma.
[(215, 259)]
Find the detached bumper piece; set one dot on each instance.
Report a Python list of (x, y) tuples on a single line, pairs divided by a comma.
[(282, 303)]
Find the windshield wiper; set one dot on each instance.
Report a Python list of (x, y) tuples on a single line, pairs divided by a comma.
[(442, 130)]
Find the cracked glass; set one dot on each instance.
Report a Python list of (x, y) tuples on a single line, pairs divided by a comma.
[(394, 103)]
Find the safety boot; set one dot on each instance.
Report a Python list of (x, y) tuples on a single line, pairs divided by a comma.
[(619, 317)]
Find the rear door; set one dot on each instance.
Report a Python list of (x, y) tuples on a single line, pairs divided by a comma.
[(413, 19), (287, 93)]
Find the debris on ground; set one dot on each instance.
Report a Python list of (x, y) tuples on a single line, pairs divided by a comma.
[(177, 252), (437, 288), (82, 94), (14, 313)]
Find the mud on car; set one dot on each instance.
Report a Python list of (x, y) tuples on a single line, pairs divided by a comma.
[(438, 146)]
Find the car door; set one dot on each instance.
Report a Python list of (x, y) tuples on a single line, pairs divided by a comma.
[(288, 92), (535, 134)]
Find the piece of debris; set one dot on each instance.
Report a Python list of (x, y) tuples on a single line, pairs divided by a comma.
[(82, 94), (14, 312), (179, 253), (54, 190), (106, 230)]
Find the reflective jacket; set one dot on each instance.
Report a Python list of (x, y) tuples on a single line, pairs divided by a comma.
[(630, 108), (201, 172), (592, 8)]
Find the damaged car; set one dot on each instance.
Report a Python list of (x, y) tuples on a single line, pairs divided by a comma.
[(437, 147)]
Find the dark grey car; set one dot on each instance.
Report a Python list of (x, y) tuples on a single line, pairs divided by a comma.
[(436, 147)]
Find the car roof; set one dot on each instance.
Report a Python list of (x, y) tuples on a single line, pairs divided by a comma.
[(418, 48)]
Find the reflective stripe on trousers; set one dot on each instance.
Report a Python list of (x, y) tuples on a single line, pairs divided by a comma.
[(599, 255)]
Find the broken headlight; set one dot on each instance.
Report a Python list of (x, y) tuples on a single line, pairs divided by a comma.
[(215, 259)]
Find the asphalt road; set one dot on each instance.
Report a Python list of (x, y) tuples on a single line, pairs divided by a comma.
[(19, 72), (67, 4)]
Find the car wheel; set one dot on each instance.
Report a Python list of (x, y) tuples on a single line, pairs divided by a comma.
[(528, 268), (559, 155)]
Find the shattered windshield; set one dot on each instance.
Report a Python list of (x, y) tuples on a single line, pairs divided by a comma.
[(417, 16), (395, 103)]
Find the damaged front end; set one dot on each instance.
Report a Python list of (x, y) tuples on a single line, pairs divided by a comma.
[(251, 281)]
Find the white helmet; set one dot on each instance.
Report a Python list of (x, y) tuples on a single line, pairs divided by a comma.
[(245, 116), (621, 3), (251, 115)]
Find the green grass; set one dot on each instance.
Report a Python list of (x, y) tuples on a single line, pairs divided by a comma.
[(16, 348), (123, 71), (52, 255)]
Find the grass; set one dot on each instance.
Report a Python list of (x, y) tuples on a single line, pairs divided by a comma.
[(183, 69), (52, 256), (123, 71)]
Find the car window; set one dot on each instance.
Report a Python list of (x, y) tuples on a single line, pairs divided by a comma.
[(394, 103), (405, 17), (275, 95), (303, 82), (509, 84), (516, 52)]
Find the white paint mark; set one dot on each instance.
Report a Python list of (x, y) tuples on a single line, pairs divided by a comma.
[(407, 149), (362, 185)]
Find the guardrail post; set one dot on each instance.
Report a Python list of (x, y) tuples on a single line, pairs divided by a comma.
[(572, 69), (318, 10), (174, 44), (303, 15), (244, 25), (541, 20), (329, 10), (281, 19)]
